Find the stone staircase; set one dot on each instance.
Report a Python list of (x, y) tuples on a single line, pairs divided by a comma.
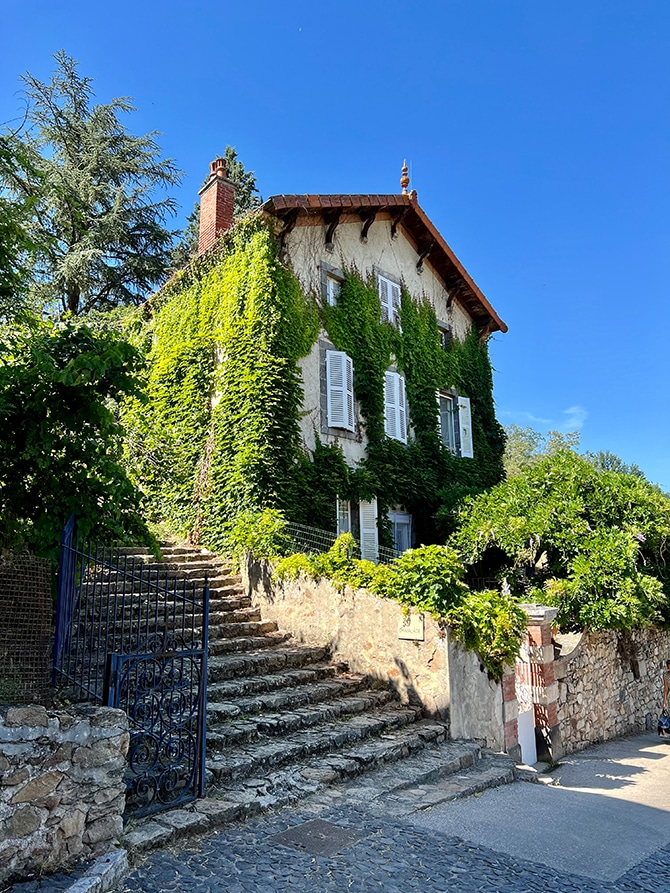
[(284, 722)]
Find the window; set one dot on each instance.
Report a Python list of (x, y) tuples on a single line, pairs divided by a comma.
[(448, 420), (343, 516), (446, 336), (340, 390), (389, 295), (401, 523), (333, 287), (455, 423), (395, 414)]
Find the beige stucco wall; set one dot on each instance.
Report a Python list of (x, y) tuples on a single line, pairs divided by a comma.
[(476, 701), (306, 250)]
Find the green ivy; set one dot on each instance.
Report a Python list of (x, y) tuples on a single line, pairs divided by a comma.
[(219, 433)]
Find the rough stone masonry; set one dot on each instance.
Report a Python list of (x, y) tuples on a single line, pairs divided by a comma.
[(62, 792)]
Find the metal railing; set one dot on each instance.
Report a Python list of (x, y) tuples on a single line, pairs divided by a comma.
[(313, 540), (112, 602)]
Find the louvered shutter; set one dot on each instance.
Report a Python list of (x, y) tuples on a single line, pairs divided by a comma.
[(438, 397), (402, 411), (340, 390), (394, 304), (386, 299), (349, 388), (369, 538), (465, 427), (390, 402), (395, 403)]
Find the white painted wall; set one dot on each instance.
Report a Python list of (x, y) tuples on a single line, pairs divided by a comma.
[(306, 250)]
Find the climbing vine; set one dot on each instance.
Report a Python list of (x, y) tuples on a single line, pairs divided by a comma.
[(218, 431)]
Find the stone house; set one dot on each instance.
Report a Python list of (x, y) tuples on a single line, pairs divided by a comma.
[(390, 238)]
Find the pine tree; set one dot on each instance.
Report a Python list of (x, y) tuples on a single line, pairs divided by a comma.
[(97, 192)]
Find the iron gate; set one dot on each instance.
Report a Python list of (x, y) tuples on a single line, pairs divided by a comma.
[(131, 635)]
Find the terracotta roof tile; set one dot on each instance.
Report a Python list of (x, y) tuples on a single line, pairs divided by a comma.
[(418, 227)]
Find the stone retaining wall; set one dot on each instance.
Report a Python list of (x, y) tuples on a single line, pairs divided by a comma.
[(363, 631), (610, 685), (62, 792)]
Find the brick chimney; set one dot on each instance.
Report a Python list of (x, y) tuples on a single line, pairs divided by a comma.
[(216, 205)]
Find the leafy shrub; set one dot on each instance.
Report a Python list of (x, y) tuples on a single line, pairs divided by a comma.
[(264, 533), (490, 623), (427, 579), (60, 441), (591, 541)]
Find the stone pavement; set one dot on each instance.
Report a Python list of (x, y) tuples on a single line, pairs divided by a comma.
[(609, 807), (377, 848)]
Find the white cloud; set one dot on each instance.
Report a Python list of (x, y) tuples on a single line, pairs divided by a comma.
[(574, 419), (576, 416), (523, 418)]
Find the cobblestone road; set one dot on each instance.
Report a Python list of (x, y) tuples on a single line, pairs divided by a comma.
[(389, 856)]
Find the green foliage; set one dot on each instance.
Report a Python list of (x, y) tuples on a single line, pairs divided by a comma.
[(96, 224), (592, 542), (14, 241), (220, 432), (525, 447), (490, 623), (261, 533), (428, 579), (60, 442)]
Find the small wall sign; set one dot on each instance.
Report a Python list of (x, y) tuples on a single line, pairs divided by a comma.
[(411, 627)]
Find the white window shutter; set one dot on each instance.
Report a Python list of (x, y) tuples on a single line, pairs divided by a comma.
[(439, 413), (385, 298), (402, 411), (349, 388), (465, 426), (394, 303), (369, 536), (390, 402), (339, 390)]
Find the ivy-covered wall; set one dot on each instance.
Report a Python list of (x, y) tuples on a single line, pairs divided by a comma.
[(219, 431)]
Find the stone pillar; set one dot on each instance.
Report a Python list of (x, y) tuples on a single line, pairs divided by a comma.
[(510, 714), (544, 687)]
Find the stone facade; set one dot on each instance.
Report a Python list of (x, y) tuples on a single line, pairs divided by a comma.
[(62, 792), (609, 684)]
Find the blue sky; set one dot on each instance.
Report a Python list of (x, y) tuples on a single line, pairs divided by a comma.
[(538, 138)]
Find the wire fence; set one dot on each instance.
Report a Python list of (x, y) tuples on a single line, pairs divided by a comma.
[(312, 540), (26, 629)]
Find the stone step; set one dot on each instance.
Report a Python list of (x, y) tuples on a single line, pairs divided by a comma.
[(244, 731), (247, 643), (248, 686), (246, 629), (240, 615), (313, 782), (257, 758), (229, 666), (289, 696)]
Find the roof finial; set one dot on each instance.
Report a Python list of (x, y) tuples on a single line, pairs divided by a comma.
[(404, 180)]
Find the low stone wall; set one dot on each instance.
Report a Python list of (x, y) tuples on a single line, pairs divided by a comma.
[(362, 630), (62, 793), (609, 685)]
